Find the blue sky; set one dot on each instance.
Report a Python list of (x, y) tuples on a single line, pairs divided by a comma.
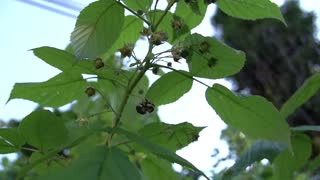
[(24, 27)]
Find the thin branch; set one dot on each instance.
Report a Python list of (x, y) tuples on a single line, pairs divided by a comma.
[(155, 7), (184, 74), (128, 92), (133, 12), (169, 6)]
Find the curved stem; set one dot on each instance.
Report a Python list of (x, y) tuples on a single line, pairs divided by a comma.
[(131, 85), (133, 12), (184, 74), (169, 6)]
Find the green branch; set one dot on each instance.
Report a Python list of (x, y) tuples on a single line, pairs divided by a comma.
[(133, 12), (169, 6), (184, 74)]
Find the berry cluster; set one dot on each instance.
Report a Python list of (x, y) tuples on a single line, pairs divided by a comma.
[(145, 107)]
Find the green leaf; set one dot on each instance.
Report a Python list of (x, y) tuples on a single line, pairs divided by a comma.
[(57, 91), (13, 136), (306, 128), (99, 163), (305, 92), (155, 149), (170, 136), (58, 58), (130, 33), (189, 17), (254, 116), (65, 62), (6, 147), (136, 5), (214, 62), (166, 25), (287, 162), (169, 87), (314, 164), (43, 130), (44, 168), (251, 9), (258, 151), (98, 27), (158, 169), (130, 118)]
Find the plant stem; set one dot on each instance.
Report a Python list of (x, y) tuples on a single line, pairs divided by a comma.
[(131, 85), (169, 6), (128, 92), (133, 12), (184, 74)]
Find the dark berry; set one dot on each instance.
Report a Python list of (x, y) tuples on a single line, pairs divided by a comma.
[(98, 63), (140, 12), (140, 109), (90, 91), (155, 70)]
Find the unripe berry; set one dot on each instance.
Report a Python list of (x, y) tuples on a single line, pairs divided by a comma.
[(177, 24), (140, 12), (126, 50), (145, 32), (158, 38), (204, 47)]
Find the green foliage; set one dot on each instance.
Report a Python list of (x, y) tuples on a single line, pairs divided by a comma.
[(156, 149), (157, 169), (129, 33), (211, 59), (251, 9), (11, 140), (190, 18), (99, 163), (287, 162), (142, 5), (306, 128), (44, 130), (303, 94), (250, 114), (276, 76), (169, 88), (173, 137), (258, 151), (112, 131), (95, 30), (57, 91)]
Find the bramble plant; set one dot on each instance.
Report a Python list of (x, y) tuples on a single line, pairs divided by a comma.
[(116, 133)]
